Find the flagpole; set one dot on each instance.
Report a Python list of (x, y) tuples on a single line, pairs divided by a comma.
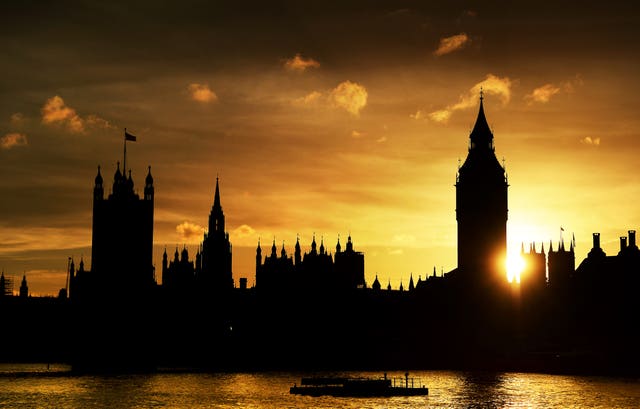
[(124, 170)]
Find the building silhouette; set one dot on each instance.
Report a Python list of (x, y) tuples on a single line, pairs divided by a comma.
[(481, 209), (215, 274), (122, 238), (314, 310), (317, 270), (24, 288)]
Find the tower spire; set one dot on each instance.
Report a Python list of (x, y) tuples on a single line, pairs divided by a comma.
[(481, 135), (216, 199)]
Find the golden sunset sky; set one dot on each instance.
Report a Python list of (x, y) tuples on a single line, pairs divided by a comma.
[(319, 117)]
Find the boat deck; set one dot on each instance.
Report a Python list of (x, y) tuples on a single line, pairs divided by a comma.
[(360, 387)]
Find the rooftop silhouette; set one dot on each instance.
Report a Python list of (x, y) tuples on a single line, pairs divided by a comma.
[(317, 311)]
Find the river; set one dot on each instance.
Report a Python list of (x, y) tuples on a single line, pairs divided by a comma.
[(42, 386)]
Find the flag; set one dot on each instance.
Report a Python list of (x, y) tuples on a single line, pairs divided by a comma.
[(129, 137), (561, 229)]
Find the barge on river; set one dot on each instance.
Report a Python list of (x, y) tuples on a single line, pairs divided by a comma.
[(360, 387)]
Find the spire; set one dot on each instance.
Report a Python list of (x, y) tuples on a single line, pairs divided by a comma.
[(481, 135), (273, 248), (216, 218), (283, 252), (149, 179), (216, 200), (338, 247)]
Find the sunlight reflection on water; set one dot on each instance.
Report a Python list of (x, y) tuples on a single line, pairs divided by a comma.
[(26, 386)]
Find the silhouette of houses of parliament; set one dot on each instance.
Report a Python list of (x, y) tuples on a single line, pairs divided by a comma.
[(317, 311)]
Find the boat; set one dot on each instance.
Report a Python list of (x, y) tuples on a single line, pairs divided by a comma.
[(360, 387)]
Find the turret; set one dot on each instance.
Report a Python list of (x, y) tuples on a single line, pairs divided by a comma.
[(258, 256), (298, 252), (313, 246), (24, 288), (148, 186), (165, 261), (98, 188)]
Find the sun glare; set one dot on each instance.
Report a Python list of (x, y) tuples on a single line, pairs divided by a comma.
[(515, 265)]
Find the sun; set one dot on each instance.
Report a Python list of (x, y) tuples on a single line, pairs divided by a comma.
[(515, 266)]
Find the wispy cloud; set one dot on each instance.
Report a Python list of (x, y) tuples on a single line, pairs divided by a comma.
[(544, 93), (244, 234), (356, 134), (309, 99), (491, 85), (350, 96), (587, 140), (202, 93), (189, 231), (55, 111), (300, 64), (12, 140), (450, 44), (17, 118)]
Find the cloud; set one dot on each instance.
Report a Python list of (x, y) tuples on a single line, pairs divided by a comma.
[(350, 96), (356, 134), (441, 116), (542, 94), (587, 140), (243, 231), (56, 111), (17, 118), (570, 86), (202, 93), (12, 140), (97, 122), (450, 44), (189, 231), (309, 99), (347, 95), (491, 85), (381, 139), (300, 64), (418, 115)]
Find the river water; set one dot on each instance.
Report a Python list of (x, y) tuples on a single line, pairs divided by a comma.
[(39, 386)]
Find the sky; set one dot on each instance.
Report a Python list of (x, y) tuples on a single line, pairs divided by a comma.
[(325, 118)]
